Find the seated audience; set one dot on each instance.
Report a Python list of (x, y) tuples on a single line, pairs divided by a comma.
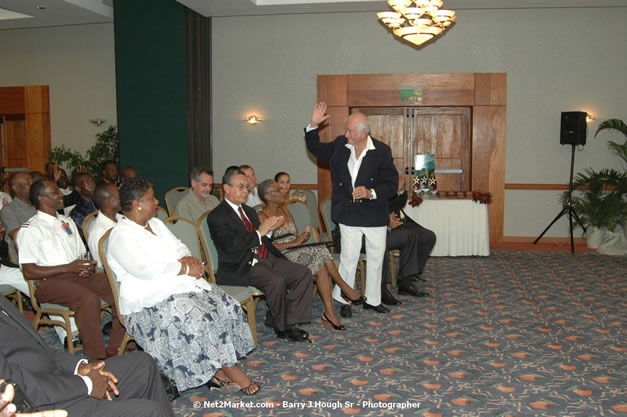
[(198, 199), (84, 185), (10, 274), (37, 175), (194, 330), (110, 173), (283, 179), (107, 200), (53, 379), (4, 197), (415, 244), (317, 258), (247, 257), (253, 194), (50, 252), (19, 210), (128, 172), (64, 183)]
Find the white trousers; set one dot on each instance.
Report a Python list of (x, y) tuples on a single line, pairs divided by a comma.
[(349, 257), (13, 277)]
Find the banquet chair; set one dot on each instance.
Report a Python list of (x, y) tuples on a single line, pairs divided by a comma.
[(302, 217), (312, 203), (185, 230), (173, 197), (14, 295), (44, 311), (162, 213), (85, 226), (325, 212), (103, 245), (210, 255)]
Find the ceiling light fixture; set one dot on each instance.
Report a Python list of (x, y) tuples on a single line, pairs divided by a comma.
[(417, 21)]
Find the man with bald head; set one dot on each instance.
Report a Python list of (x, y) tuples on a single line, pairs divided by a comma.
[(364, 178), (107, 200)]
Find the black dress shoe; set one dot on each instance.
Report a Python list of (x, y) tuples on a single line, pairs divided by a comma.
[(356, 302), (75, 341), (387, 298), (269, 321), (379, 309), (411, 290), (293, 335), (346, 311)]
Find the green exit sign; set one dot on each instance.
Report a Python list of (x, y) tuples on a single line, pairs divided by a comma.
[(410, 95)]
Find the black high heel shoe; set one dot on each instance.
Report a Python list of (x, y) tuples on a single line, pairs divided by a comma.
[(218, 383), (335, 326), (356, 302)]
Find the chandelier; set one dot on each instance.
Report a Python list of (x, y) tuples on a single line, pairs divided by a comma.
[(417, 21)]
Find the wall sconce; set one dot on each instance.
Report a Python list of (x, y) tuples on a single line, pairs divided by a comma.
[(590, 118), (252, 119), (98, 121)]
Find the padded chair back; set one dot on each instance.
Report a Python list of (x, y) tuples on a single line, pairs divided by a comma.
[(302, 216), (312, 203), (88, 219), (206, 243), (162, 213), (103, 246), (325, 213), (173, 197), (185, 231)]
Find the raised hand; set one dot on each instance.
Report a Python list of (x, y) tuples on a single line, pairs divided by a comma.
[(319, 114)]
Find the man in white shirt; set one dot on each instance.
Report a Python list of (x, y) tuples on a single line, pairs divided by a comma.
[(253, 192), (50, 252), (198, 199), (107, 199)]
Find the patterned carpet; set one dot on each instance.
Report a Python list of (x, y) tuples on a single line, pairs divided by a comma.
[(518, 333)]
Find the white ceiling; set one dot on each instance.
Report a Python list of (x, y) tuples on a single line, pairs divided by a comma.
[(77, 12)]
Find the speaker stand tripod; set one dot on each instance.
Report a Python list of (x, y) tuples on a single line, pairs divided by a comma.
[(567, 209)]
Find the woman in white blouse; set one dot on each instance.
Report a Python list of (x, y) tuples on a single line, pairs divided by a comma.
[(194, 330)]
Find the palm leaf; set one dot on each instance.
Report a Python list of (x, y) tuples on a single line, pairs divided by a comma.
[(613, 124)]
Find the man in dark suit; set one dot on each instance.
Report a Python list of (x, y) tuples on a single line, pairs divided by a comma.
[(247, 257), (414, 243), (364, 178), (58, 380)]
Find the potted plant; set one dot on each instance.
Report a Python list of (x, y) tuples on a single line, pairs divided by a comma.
[(600, 198), (106, 148)]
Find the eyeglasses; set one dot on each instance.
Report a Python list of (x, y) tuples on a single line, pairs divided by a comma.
[(240, 186)]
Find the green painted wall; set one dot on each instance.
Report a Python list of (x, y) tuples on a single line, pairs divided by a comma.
[(151, 90)]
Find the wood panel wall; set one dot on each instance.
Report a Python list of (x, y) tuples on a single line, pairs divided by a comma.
[(27, 133), (484, 93)]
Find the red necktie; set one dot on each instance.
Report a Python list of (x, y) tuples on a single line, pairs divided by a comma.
[(262, 251)]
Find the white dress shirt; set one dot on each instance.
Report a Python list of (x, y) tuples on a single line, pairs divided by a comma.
[(47, 240), (354, 163), (96, 229), (146, 265), (253, 198)]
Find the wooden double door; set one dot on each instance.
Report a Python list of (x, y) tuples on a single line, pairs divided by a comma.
[(443, 131)]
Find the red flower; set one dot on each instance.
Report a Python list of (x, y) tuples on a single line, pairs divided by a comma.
[(415, 200), (482, 198)]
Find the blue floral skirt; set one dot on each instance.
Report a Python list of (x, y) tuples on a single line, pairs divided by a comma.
[(192, 335)]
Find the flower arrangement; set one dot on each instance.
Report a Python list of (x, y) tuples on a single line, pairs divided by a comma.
[(482, 198), (415, 200)]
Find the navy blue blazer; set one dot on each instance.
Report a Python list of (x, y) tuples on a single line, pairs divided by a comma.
[(236, 246), (377, 172)]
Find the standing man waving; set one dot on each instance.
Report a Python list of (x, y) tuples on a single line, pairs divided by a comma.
[(364, 178)]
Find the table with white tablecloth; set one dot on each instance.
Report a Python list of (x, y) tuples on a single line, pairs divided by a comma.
[(461, 226)]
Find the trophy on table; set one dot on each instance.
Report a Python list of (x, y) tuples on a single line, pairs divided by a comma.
[(425, 174)]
